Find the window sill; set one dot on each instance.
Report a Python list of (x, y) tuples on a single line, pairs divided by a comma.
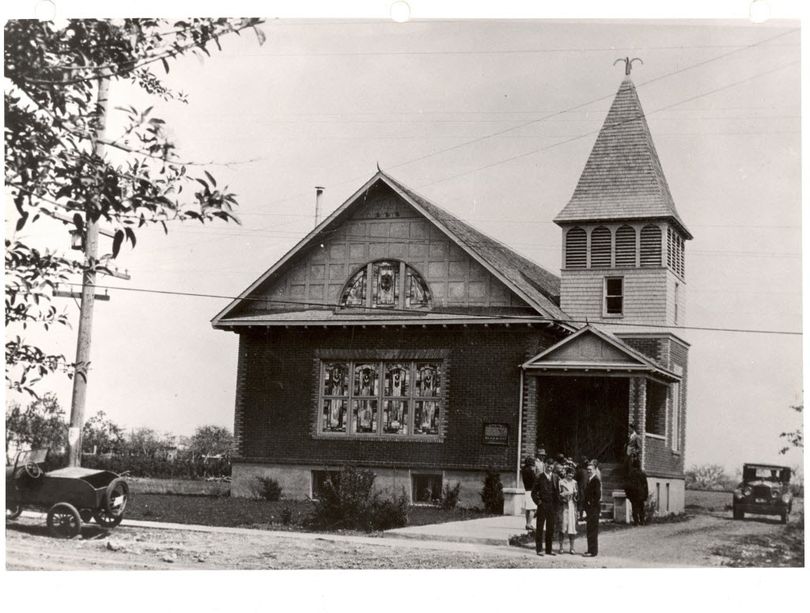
[(393, 438), (660, 437)]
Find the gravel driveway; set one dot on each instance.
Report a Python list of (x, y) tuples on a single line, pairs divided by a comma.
[(686, 543)]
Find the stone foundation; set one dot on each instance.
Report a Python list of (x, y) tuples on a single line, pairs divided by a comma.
[(296, 480)]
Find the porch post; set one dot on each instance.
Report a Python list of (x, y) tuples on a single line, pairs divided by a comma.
[(637, 410), (528, 442)]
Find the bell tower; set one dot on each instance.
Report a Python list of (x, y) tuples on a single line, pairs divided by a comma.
[(623, 255)]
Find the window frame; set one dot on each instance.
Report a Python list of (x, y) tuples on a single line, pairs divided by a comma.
[(404, 275), (606, 296), (382, 360)]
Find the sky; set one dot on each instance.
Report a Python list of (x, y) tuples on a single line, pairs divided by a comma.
[(492, 120)]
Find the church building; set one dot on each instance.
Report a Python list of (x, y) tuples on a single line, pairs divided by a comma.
[(397, 337)]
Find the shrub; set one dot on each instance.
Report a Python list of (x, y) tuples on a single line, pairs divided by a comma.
[(449, 498), (268, 488), (350, 502), (286, 516), (492, 493), (390, 512)]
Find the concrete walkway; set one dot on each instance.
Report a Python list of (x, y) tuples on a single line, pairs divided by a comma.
[(485, 531)]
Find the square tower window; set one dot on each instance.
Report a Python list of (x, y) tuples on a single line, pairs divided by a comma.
[(614, 296)]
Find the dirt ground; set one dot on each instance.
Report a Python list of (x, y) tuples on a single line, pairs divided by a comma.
[(707, 539)]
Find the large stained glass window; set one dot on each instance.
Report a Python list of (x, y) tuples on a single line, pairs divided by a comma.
[(386, 284), (335, 394), (388, 398)]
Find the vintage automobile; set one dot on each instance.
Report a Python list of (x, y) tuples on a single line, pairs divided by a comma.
[(71, 495), (765, 490)]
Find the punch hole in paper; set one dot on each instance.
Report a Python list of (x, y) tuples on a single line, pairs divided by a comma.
[(400, 11), (45, 10), (759, 11)]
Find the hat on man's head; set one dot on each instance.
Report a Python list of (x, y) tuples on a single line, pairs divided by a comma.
[(541, 452)]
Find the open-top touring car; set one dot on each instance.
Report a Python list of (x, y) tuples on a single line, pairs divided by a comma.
[(71, 495)]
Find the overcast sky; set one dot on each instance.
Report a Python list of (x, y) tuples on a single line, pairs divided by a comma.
[(493, 121)]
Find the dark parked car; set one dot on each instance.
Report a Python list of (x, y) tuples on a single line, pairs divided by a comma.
[(765, 490), (71, 495)]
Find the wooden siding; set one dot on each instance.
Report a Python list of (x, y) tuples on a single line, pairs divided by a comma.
[(385, 227), (645, 294), (672, 280)]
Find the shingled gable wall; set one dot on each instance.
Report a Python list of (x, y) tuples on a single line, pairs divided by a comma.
[(384, 226)]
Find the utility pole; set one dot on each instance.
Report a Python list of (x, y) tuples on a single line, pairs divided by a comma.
[(88, 293)]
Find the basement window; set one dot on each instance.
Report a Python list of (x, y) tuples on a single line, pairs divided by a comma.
[(320, 478), (614, 296), (426, 489)]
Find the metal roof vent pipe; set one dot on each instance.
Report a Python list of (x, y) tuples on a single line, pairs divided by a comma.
[(318, 194)]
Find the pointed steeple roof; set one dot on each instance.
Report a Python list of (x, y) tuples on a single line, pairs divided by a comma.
[(623, 178)]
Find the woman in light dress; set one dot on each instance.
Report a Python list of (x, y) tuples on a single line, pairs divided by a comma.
[(568, 504)]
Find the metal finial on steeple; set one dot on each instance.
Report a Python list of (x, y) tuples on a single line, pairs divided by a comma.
[(378, 166), (628, 63)]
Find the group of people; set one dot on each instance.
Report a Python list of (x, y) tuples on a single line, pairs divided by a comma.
[(558, 492)]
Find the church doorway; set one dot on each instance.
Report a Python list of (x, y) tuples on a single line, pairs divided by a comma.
[(583, 416)]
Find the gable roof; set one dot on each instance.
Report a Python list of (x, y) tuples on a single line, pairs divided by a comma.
[(539, 288), (615, 357), (623, 178)]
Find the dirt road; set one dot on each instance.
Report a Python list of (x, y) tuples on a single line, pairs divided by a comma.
[(694, 542)]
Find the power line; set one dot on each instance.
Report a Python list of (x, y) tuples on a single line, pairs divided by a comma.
[(575, 138), (556, 113), (330, 306)]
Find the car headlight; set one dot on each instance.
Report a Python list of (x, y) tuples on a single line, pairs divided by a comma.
[(786, 498), (774, 494), (748, 491)]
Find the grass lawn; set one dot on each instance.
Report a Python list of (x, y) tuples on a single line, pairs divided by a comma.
[(252, 513)]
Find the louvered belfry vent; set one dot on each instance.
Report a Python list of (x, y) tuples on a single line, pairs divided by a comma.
[(600, 248), (576, 248), (675, 253), (650, 246), (626, 246)]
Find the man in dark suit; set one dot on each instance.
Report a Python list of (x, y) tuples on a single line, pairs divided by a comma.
[(592, 504), (637, 493), (546, 495)]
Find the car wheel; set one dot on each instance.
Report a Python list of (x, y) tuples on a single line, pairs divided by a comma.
[(116, 497), (64, 520), (105, 519), (738, 513), (13, 511)]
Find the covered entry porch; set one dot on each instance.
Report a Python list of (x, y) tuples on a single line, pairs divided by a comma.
[(582, 394)]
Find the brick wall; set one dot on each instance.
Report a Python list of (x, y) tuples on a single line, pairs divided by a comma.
[(278, 370)]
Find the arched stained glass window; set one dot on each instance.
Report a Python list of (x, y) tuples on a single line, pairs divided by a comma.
[(386, 284)]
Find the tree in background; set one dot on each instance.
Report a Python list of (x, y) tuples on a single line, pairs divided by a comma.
[(101, 435), (795, 438), (709, 477), (53, 168), (212, 441), (41, 424), (147, 443)]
